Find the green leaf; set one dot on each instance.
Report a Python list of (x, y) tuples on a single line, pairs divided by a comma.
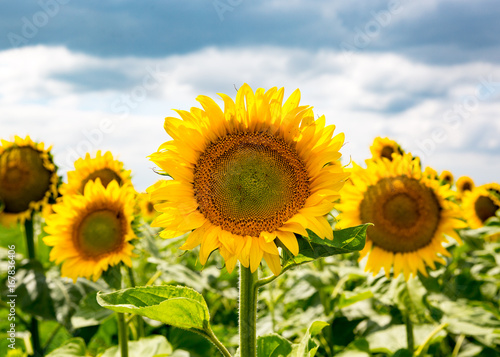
[(357, 348), (307, 347), (74, 347), (173, 305), (393, 338), (66, 296), (145, 347), (113, 276), (32, 290), (347, 240), (89, 312), (350, 297), (273, 345)]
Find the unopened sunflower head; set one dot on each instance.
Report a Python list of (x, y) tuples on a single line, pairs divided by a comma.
[(480, 204), (411, 213), (91, 232), (104, 167), (385, 147), (247, 176), (28, 179)]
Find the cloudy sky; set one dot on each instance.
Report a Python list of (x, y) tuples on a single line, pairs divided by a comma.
[(89, 75)]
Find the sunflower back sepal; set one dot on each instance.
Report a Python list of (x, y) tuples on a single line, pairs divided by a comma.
[(348, 240), (177, 306)]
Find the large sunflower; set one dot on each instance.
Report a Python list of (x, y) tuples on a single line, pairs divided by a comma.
[(92, 231), (410, 212), (479, 204), (28, 179), (103, 167), (247, 177), (385, 147)]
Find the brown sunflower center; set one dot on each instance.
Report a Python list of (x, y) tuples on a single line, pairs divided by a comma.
[(466, 187), (23, 178), (387, 152), (485, 208), (405, 214), (150, 208), (247, 183), (106, 176), (99, 233)]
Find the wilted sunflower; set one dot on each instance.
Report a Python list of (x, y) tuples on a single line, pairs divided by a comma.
[(464, 184), (91, 232), (479, 204), (410, 213), (249, 176), (385, 147), (446, 177), (28, 179), (103, 167)]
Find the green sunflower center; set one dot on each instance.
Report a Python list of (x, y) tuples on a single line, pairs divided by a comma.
[(485, 208), (100, 232), (106, 176), (405, 214), (250, 182), (23, 178)]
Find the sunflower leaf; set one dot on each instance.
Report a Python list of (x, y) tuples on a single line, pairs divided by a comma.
[(173, 305), (347, 240)]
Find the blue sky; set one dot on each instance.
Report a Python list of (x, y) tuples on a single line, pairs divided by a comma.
[(103, 75)]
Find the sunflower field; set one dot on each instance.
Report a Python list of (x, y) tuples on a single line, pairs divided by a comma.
[(258, 239)]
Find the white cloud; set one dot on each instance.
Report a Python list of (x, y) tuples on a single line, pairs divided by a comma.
[(366, 95)]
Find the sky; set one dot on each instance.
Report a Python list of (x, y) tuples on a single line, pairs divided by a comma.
[(90, 75)]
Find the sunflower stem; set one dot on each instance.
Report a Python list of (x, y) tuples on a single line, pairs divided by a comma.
[(30, 246), (248, 312), (122, 335), (138, 319), (409, 333)]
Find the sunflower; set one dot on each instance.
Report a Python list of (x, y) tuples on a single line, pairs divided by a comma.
[(446, 178), (146, 205), (410, 212), (248, 177), (28, 179), (385, 147), (91, 232), (103, 167), (479, 204), (464, 184)]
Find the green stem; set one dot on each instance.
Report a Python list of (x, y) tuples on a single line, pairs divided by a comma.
[(409, 333), (211, 336), (248, 312), (460, 340), (423, 347), (138, 319), (30, 246), (122, 335), (30, 243)]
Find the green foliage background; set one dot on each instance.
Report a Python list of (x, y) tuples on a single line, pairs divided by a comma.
[(329, 307)]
